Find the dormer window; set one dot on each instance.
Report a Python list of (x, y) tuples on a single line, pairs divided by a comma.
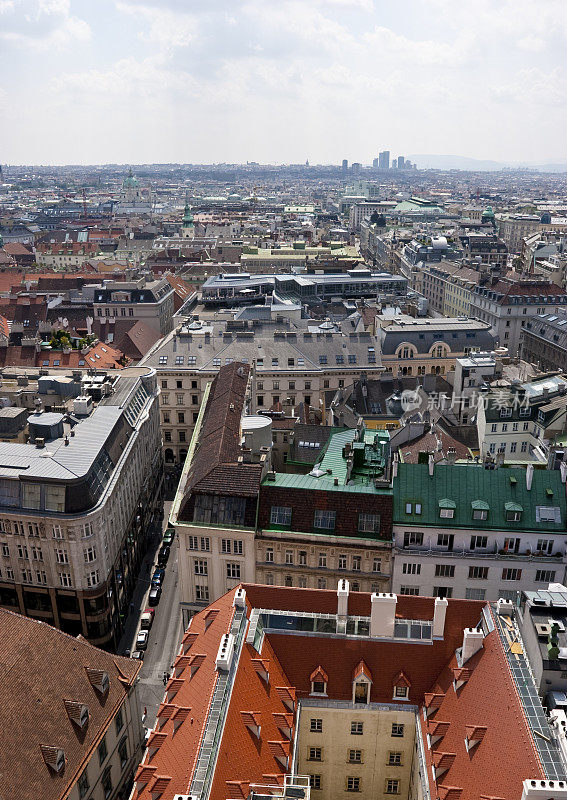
[(401, 687), (361, 683), (319, 680), (447, 508), (513, 512), (479, 509)]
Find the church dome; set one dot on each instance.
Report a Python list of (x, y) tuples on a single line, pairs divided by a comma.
[(545, 218)]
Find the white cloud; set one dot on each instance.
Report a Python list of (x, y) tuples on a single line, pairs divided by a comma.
[(41, 24)]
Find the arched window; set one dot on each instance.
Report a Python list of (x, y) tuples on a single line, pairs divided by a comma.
[(169, 458)]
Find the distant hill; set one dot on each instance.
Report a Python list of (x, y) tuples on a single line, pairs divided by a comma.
[(446, 162)]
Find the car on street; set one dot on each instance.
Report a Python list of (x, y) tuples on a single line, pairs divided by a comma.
[(163, 555), (142, 640), (154, 596), (168, 537), (147, 618), (139, 654), (158, 576)]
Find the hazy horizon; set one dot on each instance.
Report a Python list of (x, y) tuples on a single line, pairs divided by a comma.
[(281, 81)]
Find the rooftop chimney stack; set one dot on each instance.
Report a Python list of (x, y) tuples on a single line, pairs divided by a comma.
[(383, 615), (472, 643), (439, 613), (395, 466), (544, 790), (342, 594), (431, 465), (529, 476), (563, 471)]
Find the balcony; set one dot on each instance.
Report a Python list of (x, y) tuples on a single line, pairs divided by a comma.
[(494, 555)]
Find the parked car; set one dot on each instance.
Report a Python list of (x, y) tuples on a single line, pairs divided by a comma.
[(139, 654), (147, 619), (158, 576), (154, 596), (163, 555), (142, 640), (169, 536)]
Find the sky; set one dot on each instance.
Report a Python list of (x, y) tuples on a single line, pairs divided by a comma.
[(281, 81)]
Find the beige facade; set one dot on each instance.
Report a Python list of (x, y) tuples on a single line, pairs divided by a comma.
[(357, 748), (119, 751)]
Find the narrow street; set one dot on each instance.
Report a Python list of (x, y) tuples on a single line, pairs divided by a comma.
[(166, 630)]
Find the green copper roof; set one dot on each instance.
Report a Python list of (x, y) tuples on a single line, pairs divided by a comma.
[(465, 485), (187, 216)]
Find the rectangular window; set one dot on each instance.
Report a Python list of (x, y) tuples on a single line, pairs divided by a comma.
[(31, 495), (226, 546), (511, 574), (446, 513), (442, 591), (392, 786), (413, 538), (315, 754), (102, 751), (397, 730), (414, 590), (356, 728), (192, 542), (202, 593), (119, 721), (280, 515), (324, 520), (377, 565), (356, 563), (322, 560), (303, 558), (369, 523), (205, 544), (343, 561), (394, 758), (201, 567), (61, 556), (315, 781), (289, 556), (65, 579), (480, 513), (475, 594), (83, 782), (353, 784), (355, 756), (55, 498), (479, 542), (545, 576), (316, 725), (411, 569), (269, 554), (478, 573), (232, 570), (444, 571)]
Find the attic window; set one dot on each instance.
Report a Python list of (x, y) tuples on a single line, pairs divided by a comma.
[(480, 509), (548, 514), (319, 681), (447, 508), (401, 687), (513, 512)]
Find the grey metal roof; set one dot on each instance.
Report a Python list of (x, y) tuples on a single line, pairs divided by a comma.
[(57, 460)]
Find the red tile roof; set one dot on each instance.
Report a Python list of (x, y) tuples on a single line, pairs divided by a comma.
[(256, 738)]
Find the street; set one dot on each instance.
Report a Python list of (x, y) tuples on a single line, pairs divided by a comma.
[(166, 630)]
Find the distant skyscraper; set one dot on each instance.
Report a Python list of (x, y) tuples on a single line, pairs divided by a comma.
[(401, 162), (356, 167), (345, 164), (375, 163), (384, 159), (394, 163)]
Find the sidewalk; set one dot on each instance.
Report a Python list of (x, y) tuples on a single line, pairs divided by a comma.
[(138, 598)]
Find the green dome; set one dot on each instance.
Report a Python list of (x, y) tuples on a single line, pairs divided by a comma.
[(130, 182), (488, 212)]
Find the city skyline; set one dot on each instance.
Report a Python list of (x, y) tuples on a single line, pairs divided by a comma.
[(148, 82)]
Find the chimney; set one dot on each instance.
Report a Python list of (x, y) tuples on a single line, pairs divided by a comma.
[(538, 790), (383, 615), (441, 604), (342, 594), (472, 643), (431, 465), (504, 608), (529, 476), (563, 471), (395, 466), (451, 455)]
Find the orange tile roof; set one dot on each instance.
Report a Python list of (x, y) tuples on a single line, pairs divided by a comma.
[(469, 729)]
